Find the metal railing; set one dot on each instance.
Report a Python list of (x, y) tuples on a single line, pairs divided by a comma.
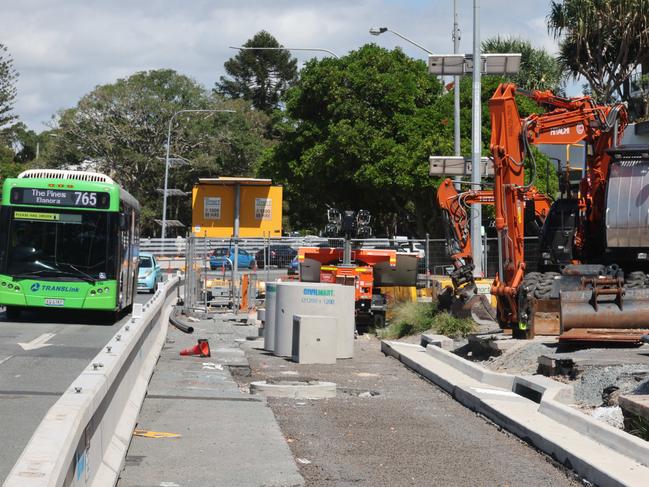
[(214, 255)]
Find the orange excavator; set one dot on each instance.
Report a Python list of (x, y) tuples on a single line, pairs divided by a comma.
[(595, 246), (463, 299)]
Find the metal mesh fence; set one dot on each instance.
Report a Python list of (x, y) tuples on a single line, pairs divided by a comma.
[(217, 255)]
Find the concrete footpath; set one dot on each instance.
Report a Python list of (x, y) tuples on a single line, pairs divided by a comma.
[(198, 428)]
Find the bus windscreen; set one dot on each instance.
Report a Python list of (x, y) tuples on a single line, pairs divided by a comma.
[(60, 244)]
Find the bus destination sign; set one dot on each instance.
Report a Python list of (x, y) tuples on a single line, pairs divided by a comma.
[(60, 197)]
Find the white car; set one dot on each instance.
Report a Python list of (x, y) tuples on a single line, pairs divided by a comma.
[(412, 248)]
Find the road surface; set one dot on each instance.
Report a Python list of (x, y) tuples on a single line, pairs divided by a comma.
[(40, 356)]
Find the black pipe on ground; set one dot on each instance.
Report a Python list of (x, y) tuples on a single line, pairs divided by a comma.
[(180, 325)]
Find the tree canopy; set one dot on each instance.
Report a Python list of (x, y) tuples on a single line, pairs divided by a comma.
[(259, 76), (602, 40), (8, 77), (358, 134), (121, 129), (539, 69)]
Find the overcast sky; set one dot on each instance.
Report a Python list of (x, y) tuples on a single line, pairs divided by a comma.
[(64, 48)]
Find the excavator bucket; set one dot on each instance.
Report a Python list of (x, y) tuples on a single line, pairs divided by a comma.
[(614, 314)]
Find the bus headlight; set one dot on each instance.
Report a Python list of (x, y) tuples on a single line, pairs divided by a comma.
[(100, 290), (17, 288), (10, 286), (106, 289)]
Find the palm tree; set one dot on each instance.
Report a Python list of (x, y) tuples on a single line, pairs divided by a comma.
[(602, 40), (539, 69)]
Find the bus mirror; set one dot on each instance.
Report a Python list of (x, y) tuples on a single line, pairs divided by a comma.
[(122, 222)]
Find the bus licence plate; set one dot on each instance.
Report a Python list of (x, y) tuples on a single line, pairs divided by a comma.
[(54, 302)]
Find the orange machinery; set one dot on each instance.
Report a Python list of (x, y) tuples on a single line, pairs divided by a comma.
[(602, 292), (463, 298)]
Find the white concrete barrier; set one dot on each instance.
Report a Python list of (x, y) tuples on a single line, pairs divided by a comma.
[(84, 437)]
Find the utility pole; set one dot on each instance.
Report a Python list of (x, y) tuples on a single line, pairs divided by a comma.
[(456, 90), (476, 143)]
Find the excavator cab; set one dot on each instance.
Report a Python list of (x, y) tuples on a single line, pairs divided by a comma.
[(557, 234)]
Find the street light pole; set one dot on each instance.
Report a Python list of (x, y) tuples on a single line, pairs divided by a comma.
[(376, 31), (318, 49), (164, 196), (476, 143), (456, 91)]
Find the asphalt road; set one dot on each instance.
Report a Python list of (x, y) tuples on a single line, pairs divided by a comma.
[(389, 427), (56, 347)]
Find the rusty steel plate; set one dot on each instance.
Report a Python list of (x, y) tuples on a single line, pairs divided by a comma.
[(603, 335)]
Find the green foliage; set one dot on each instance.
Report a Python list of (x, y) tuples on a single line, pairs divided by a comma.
[(121, 129), (450, 326), (8, 78), (357, 134), (601, 40), (639, 427), (411, 318), (259, 76), (539, 69)]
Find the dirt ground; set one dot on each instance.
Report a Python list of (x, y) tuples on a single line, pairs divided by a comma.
[(389, 427)]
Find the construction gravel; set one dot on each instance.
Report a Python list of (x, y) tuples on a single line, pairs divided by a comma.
[(389, 427)]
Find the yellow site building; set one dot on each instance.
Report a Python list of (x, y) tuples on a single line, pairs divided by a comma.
[(225, 207)]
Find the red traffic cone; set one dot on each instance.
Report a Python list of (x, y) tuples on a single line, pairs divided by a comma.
[(202, 348)]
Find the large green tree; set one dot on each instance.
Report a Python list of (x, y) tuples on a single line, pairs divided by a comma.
[(8, 77), (602, 40), (539, 69), (358, 134), (259, 76), (121, 129)]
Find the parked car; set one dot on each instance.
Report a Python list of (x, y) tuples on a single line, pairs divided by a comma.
[(294, 267), (149, 274), (277, 255), (412, 248), (222, 257)]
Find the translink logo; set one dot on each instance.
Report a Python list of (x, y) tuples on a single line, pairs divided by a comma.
[(59, 289)]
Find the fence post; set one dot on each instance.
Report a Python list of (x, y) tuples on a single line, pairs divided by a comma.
[(267, 256), (427, 257)]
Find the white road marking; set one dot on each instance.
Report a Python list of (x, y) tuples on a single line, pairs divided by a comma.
[(38, 342), (5, 359)]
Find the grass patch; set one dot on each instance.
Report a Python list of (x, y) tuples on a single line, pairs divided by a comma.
[(446, 324), (411, 318), (639, 427)]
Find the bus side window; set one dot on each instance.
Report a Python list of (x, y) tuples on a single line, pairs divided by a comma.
[(123, 222)]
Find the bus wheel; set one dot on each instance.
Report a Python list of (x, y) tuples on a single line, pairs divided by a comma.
[(13, 313)]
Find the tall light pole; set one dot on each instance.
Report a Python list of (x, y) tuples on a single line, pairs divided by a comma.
[(476, 143), (317, 49), (456, 90), (377, 31), (171, 121)]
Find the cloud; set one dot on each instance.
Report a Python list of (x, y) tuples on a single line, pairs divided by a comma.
[(64, 48)]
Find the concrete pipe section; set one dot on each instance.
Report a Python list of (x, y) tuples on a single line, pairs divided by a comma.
[(294, 387)]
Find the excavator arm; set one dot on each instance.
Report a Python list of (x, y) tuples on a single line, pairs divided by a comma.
[(568, 121), (454, 207)]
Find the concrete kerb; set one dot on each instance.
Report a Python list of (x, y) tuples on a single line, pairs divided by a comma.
[(551, 396), (75, 442), (506, 381)]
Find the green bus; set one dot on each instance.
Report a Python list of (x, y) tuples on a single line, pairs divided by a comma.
[(68, 239)]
